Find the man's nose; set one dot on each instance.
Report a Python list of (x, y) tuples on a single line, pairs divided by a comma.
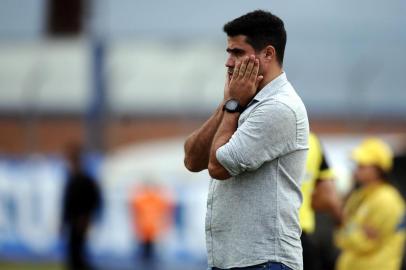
[(230, 63)]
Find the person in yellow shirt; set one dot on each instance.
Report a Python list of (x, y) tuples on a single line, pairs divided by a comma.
[(371, 230), (318, 180)]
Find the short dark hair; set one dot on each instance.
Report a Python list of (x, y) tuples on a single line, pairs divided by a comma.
[(261, 28)]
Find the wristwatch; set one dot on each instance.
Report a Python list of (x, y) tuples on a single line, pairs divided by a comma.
[(233, 106)]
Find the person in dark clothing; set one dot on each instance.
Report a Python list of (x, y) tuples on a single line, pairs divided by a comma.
[(81, 201)]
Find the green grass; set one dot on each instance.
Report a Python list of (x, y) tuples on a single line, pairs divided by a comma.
[(30, 266)]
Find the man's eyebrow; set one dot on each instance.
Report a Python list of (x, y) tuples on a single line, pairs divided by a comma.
[(235, 50)]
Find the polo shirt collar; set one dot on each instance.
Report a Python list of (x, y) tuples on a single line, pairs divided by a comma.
[(272, 87)]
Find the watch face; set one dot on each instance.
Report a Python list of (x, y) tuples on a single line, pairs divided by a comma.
[(232, 105)]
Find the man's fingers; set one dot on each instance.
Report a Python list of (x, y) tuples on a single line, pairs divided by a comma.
[(227, 78), (250, 66), (255, 70), (243, 66), (236, 70)]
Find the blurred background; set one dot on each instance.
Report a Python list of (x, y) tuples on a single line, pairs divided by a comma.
[(130, 79)]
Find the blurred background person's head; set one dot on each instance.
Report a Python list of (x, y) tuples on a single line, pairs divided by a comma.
[(373, 159), (74, 156)]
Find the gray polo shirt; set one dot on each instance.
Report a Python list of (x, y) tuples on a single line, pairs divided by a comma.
[(253, 216)]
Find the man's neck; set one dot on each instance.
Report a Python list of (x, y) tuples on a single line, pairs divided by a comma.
[(272, 74)]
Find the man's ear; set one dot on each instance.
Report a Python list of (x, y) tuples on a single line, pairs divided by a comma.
[(270, 52)]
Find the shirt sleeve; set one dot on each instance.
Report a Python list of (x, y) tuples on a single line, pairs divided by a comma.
[(268, 132)]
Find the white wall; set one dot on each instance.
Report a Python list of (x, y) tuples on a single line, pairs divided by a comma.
[(52, 75)]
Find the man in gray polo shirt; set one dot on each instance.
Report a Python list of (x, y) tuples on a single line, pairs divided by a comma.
[(254, 146)]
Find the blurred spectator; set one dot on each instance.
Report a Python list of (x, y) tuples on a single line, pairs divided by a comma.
[(152, 215), (81, 201), (371, 236), (318, 180), (398, 176)]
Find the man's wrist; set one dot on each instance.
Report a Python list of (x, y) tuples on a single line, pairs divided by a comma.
[(243, 102), (233, 106)]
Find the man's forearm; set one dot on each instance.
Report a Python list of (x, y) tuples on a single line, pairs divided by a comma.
[(242, 88), (226, 129), (326, 199), (335, 204), (197, 145), (200, 151), (337, 213)]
